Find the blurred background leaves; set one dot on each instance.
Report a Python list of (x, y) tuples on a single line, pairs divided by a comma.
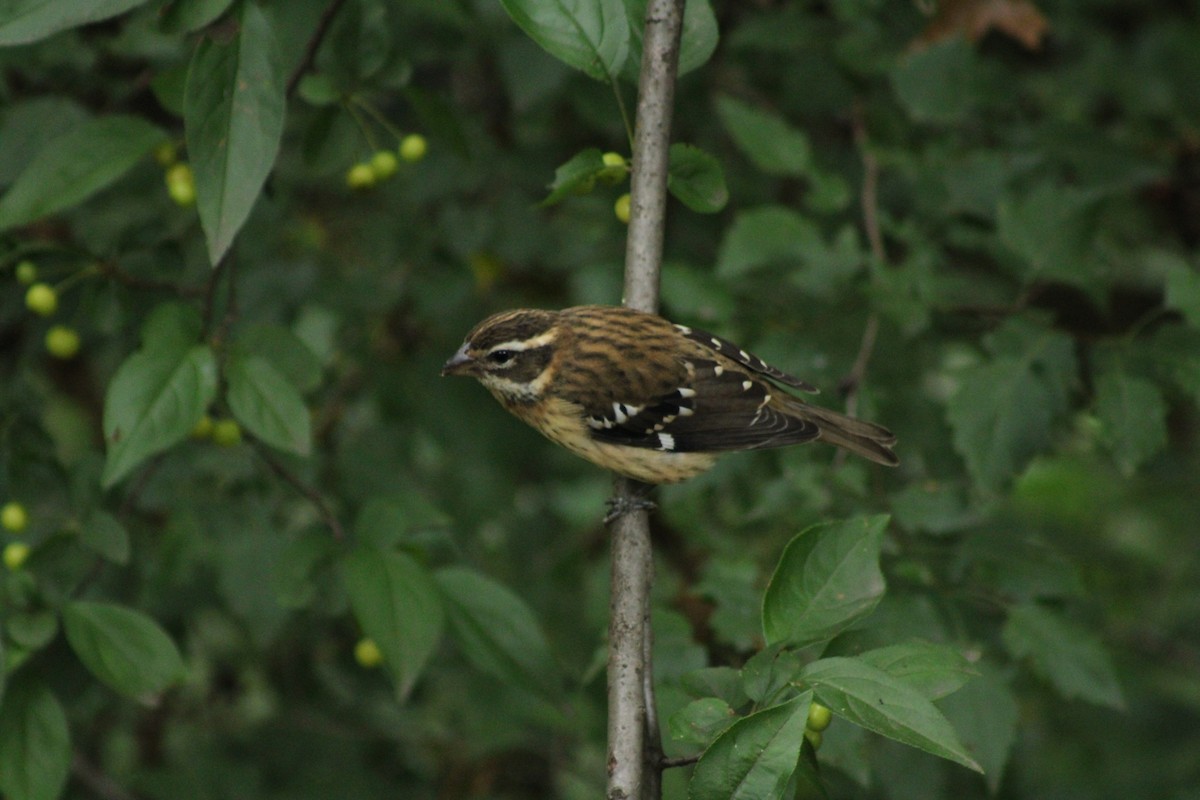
[(1005, 192)]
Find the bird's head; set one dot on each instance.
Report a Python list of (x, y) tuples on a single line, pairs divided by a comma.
[(509, 353)]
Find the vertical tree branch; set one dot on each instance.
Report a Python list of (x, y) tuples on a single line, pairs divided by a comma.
[(632, 760)]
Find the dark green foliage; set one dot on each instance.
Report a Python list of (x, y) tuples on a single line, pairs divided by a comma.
[(992, 246)]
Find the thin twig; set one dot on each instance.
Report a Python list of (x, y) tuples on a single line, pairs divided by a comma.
[(310, 493), (111, 269), (681, 761), (633, 746), (314, 44), (869, 202)]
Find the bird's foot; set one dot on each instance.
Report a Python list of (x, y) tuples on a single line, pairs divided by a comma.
[(626, 503)]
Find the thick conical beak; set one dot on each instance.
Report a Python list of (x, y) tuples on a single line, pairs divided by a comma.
[(459, 364)]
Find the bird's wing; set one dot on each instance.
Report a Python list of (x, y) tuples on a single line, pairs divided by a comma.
[(716, 406)]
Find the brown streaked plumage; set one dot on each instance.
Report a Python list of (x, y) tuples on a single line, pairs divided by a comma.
[(643, 397)]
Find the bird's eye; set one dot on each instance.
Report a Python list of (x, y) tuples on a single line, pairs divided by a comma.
[(500, 356)]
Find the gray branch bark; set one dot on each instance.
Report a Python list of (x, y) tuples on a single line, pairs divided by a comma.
[(634, 749)]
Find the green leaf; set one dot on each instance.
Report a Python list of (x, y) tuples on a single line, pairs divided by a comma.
[(755, 757), (590, 35), (1004, 410), (697, 42), (185, 16), (497, 632), (74, 166), (768, 672), (695, 179), (763, 237), (985, 715), (879, 702), (25, 21), (1134, 417), (1070, 657), (1051, 229), (233, 115), (397, 605), (700, 721), (171, 327), (767, 139), (1183, 292), (268, 404), (285, 351), (939, 83), (386, 522), (827, 578), (935, 670), (576, 175), (35, 744), (104, 534), (153, 402), (123, 648)]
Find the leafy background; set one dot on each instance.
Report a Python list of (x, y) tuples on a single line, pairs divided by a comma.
[(985, 213)]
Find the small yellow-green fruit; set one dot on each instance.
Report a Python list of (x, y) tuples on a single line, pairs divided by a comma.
[(181, 184), (413, 147), (486, 268), (41, 299), (203, 428), (62, 341), (384, 164), (819, 717), (616, 168), (14, 517), (814, 738), (621, 208), (165, 154), (15, 555), (367, 653), (360, 176), (226, 432), (26, 272)]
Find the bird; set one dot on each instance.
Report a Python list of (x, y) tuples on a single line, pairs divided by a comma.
[(644, 397)]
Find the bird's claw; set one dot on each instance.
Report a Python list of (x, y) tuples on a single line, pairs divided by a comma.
[(622, 504)]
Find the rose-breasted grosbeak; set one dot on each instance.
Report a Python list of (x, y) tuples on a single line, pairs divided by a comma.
[(653, 401)]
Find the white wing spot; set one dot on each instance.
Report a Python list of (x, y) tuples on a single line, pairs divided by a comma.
[(747, 385), (666, 441), (686, 412), (745, 356), (717, 370), (684, 329), (686, 392), (716, 342)]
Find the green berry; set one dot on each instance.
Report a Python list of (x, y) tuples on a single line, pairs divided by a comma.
[(616, 169), (226, 432), (814, 738), (26, 272), (819, 717), (384, 164), (203, 428), (413, 147), (41, 299), (360, 176), (367, 653), (62, 341), (181, 184), (14, 517), (15, 555), (622, 208)]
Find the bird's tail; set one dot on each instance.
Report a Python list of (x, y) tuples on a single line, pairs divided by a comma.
[(862, 438)]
